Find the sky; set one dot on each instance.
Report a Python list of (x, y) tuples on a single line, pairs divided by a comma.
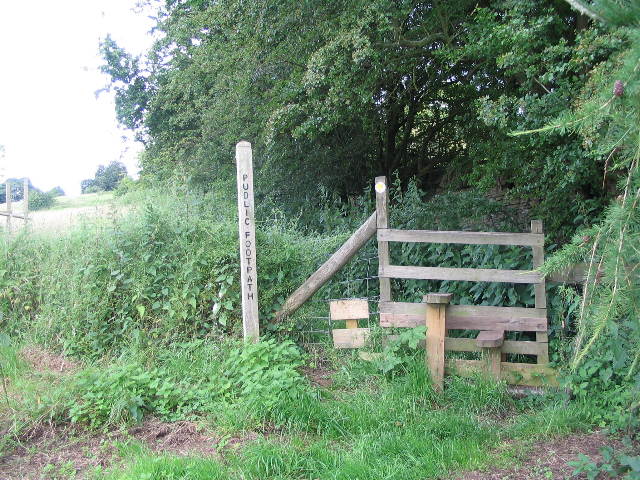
[(53, 128)]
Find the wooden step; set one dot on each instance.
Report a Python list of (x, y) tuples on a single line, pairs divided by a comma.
[(490, 338)]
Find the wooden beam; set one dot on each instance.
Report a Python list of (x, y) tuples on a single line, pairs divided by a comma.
[(436, 332), (7, 190), (508, 346), (329, 268), (540, 289), (382, 223), (460, 274), (247, 242), (530, 374), (473, 238), (12, 215), (25, 199)]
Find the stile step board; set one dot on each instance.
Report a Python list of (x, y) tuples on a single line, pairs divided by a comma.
[(530, 374), (350, 337), (490, 339), (355, 309), (521, 347), (466, 317)]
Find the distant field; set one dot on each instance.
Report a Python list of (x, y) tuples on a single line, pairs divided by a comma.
[(66, 211)]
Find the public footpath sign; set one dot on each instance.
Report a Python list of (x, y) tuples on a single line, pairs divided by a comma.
[(247, 232)]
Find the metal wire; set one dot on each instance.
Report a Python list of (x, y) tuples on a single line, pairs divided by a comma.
[(317, 327)]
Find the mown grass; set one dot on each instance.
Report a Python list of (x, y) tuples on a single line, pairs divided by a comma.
[(85, 200)]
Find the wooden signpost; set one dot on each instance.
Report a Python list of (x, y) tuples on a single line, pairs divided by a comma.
[(247, 233)]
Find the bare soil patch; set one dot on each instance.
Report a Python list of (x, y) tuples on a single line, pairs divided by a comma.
[(42, 360), (549, 460), (48, 451)]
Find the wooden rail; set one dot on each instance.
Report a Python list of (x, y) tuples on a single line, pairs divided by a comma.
[(460, 274), (472, 238)]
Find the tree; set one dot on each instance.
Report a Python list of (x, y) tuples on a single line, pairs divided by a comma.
[(334, 93), (106, 178)]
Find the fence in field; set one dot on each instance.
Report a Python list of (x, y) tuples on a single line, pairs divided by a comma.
[(9, 213)]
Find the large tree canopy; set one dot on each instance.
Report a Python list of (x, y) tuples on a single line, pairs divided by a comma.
[(333, 93)]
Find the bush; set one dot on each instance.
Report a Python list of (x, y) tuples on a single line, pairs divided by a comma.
[(41, 200)]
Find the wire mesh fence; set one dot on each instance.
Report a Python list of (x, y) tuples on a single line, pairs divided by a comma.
[(358, 280)]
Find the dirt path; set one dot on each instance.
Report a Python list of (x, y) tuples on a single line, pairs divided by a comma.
[(549, 460)]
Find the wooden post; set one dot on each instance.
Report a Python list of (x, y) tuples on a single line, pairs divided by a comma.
[(247, 233), (7, 189), (436, 329), (25, 200), (539, 289), (329, 268), (382, 222)]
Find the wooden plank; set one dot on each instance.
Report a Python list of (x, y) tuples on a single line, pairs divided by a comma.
[(25, 199), (12, 215), (516, 324), (490, 338), (435, 344), (473, 238), (349, 309), (540, 289), (508, 346), (247, 234), (382, 222), (529, 374), (329, 268), (466, 317), (414, 308), (574, 274), (7, 190), (350, 337), (460, 274)]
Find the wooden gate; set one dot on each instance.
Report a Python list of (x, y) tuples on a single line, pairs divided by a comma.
[(441, 317)]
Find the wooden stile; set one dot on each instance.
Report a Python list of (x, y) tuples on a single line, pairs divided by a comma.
[(492, 322)]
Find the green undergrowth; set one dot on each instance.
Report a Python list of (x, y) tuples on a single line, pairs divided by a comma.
[(387, 426)]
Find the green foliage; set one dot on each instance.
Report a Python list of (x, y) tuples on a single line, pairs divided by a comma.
[(41, 200), (263, 374), (615, 463), (106, 178), (400, 350), (606, 358), (164, 271), (123, 393)]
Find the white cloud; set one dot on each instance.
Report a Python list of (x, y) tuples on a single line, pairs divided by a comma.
[(54, 129)]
